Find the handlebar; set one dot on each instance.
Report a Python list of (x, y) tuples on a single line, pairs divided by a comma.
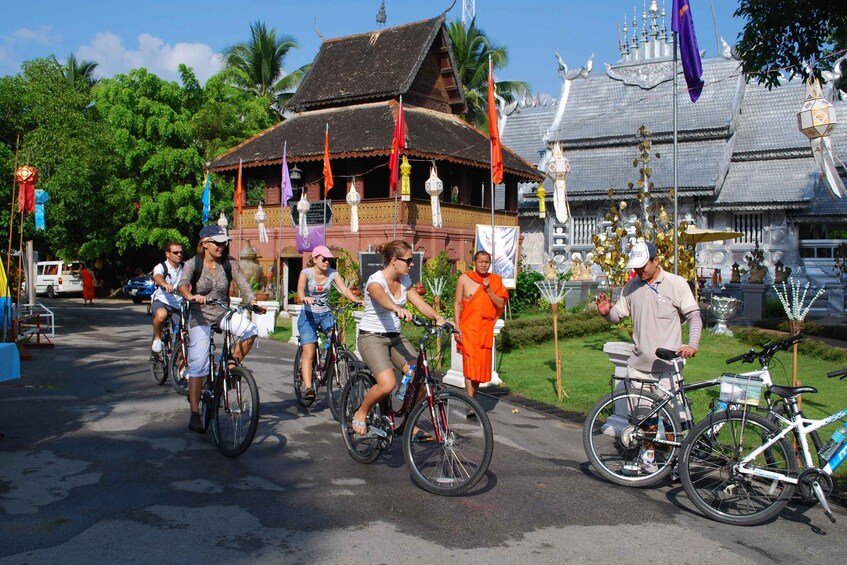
[(252, 307), (839, 373), (768, 350)]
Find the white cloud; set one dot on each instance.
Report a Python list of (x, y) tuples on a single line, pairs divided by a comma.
[(41, 34), (158, 57)]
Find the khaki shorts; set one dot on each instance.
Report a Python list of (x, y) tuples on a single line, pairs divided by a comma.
[(381, 352)]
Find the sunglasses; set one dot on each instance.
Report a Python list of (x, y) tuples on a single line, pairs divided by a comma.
[(177, 252), (323, 259), (408, 260)]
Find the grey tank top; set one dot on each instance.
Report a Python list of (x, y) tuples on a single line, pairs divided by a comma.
[(320, 292)]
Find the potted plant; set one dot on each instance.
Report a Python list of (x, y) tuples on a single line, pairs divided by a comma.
[(293, 297), (258, 289), (756, 265)]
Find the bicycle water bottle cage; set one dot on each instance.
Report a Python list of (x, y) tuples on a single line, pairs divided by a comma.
[(667, 354)]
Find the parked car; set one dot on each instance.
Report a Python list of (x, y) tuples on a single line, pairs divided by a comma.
[(140, 288), (54, 278)]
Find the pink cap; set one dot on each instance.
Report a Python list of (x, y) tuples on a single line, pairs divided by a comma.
[(323, 251)]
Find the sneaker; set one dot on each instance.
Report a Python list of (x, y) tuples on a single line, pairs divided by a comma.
[(675, 474), (648, 467), (157, 346), (194, 424)]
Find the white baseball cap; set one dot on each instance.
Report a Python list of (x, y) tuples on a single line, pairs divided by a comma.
[(641, 252)]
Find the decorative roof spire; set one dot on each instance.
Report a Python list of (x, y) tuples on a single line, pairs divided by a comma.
[(663, 31), (381, 18)]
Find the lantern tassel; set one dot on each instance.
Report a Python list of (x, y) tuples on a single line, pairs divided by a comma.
[(436, 211), (303, 207), (828, 162)]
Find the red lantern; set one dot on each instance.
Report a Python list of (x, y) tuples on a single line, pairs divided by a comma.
[(27, 176)]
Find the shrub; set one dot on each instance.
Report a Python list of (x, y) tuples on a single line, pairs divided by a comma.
[(526, 297), (534, 330), (441, 266), (757, 338)]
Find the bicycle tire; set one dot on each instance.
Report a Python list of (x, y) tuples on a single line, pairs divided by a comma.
[(336, 379), (235, 427), (362, 448), (458, 454), (299, 389), (206, 406), (178, 369), (614, 442), (707, 469), (158, 366)]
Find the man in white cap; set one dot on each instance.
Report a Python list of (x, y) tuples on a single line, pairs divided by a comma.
[(657, 302)]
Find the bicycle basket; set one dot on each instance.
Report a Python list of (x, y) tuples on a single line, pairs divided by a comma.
[(738, 389)]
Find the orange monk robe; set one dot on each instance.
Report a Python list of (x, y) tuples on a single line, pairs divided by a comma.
[(477, 326), (87, 284)]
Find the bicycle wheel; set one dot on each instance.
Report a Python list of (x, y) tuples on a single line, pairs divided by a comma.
[(448, 448), (363, 448), (299, 388), (339, 374), (178, 369), (158, 366), (621, 429), (709, 475), (236, 418)]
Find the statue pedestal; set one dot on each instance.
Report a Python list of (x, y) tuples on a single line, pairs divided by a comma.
[(618, 352), (294, 311), (577, 292), (456, 376), (752, 298)]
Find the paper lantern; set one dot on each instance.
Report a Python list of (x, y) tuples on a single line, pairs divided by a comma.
[(353, 200), (434, 187)]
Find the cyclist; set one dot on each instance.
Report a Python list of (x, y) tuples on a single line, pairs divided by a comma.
[(381, 343), (164, 302), (207, 277), (313, 289), (657, 302)]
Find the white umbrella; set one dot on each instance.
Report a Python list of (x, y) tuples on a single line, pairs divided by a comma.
[(694, 235)]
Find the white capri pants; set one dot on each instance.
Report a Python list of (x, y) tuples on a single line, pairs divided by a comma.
[(199, 337)]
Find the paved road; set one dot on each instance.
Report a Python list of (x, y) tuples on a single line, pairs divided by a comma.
[(97, 466)]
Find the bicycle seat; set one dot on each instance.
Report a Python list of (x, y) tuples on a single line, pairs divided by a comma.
[(667, 354), (789, 391)]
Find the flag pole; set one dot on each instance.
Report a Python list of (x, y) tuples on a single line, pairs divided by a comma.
[(675, 156), (12, 208), (491, 112)]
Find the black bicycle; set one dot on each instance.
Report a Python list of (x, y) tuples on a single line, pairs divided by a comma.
[(447, 437), (174, 344), (229, 400)]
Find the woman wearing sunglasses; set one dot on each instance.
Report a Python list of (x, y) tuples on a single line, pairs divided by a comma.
[(313, 290), (216, 270), (381, 344)]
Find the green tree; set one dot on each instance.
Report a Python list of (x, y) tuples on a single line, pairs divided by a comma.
[(783, 35), (472, 49), (79, 71), (260, 62)]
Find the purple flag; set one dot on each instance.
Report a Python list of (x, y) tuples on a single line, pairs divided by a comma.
[(315, 238), (287, 191), (683, 24)]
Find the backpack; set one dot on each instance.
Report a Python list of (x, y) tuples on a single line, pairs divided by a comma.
[(164, 265), (198, 270)]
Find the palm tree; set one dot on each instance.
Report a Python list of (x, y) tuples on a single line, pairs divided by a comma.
[(472, 49), (75, 71), (260, 62)]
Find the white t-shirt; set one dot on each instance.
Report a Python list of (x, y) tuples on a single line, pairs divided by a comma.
[(172, 278), (376, 318)]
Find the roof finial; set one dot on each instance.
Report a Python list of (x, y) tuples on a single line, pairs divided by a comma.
[(380, 16)]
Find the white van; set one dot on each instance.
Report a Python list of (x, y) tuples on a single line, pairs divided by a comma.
[(57, 277)]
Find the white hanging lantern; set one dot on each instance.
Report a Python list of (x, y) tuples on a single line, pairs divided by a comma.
[(434, 187), (222, 222), (353, 200), (260, 219), (557, 169), (816, 119), (302, 209)]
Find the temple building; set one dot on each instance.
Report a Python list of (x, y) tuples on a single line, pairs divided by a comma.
[(352, 91), (743, 163)]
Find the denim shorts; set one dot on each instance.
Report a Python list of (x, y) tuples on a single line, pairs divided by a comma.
[(308, 323)]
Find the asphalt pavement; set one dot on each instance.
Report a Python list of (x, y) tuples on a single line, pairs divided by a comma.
[(97, 466)]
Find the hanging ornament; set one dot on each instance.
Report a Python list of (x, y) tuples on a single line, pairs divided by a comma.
[(222, 222), (434, 187), (302, 209), (41, 198), (260, 219), (26, 176), (353, 200), (542, 204), (405, 183), (557, 169), (817, 119)]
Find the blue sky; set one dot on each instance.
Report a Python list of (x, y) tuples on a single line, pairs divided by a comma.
[(159, 35)]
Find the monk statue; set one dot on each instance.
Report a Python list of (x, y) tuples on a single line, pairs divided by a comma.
[(551, 272), (780, 272), (737, 271)]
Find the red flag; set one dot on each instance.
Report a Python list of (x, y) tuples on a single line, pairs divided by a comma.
[(398, 145), (26, 176), (328, 182), (239, 192), (493, 132)]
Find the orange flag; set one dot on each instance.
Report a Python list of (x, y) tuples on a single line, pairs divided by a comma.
[(493, 132), (398, 145), (239, 192), (328, 182)]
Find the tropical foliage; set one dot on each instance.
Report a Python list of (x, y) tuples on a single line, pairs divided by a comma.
[(79, 71), (472, 49)]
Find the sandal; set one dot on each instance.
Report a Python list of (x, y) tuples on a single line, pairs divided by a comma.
[(422, 437), (361, 425), (310, 393)]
